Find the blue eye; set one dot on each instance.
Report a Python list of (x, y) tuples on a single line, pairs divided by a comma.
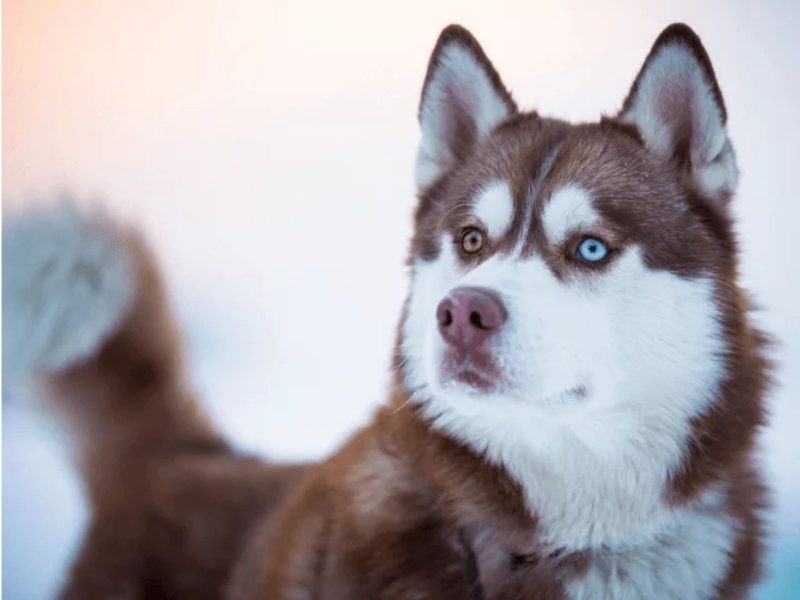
[(592, 250)]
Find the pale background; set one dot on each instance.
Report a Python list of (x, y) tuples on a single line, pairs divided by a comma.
[(267, 150)]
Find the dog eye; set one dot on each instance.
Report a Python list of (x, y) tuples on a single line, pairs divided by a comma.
[(592, 250), (472, 240)]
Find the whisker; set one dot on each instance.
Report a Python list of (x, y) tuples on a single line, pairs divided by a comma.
[(395, 368), (413, 397)]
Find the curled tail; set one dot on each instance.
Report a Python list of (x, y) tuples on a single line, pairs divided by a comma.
[(86, 313)]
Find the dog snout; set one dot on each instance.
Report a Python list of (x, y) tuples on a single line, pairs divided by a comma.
[(470, 315)]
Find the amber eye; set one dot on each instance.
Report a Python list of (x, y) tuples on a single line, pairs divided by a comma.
[(472, 240)]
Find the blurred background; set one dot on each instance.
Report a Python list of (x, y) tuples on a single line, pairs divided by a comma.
[(267, 149)]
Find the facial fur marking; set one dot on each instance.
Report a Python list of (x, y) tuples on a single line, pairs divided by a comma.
[(494, 206), (431, 280), (533, 191), (568, 209)]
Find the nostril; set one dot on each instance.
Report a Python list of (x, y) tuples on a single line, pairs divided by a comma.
[(447, 318), (444, 314), (475, 319)]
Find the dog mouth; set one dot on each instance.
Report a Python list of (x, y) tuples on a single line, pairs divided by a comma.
[(476, 370)]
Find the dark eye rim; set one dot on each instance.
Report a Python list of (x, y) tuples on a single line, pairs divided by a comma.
[(463, 236)]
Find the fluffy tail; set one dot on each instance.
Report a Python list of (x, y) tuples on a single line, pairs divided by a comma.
[(86, 313)]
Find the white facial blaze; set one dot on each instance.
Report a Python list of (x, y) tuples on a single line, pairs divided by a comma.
[(494, 207), (569, 209), (602, 374), (431, 282)]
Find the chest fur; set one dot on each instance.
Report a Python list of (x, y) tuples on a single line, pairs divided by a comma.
[(687, 559)]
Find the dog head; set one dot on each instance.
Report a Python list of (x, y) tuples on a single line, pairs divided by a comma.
[(572, 273)]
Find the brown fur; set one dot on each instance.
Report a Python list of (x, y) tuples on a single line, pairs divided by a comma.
[(401, 510), (172, 504)]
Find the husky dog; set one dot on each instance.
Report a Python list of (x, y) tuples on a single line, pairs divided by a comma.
[(577, 389)]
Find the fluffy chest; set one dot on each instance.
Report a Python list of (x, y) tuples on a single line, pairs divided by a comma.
[(687, 559), (594, 479), (595, 486)]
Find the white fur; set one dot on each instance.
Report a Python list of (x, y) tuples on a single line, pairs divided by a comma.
[(603, 373), (494, 207), (67, 281), (687, 560), (459, 88), (568, 210), (673, 96)]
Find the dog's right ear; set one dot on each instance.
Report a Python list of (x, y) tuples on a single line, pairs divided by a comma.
[(463, 99)]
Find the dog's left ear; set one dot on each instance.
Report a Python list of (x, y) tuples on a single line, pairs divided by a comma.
[(676, 104), (463, 99)]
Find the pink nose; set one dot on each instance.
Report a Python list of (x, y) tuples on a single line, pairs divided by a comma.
[(468, 316)]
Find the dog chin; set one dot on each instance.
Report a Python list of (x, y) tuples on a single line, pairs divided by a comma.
[(468, 381), (483, 380), (475, 370), (470, 384), (471, 377)]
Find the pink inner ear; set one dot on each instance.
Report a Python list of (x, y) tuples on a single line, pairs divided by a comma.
[(463, 99), (459, 130), (676, 106)]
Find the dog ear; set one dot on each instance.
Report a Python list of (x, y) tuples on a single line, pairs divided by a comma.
[(676, 104), (463, 99)]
